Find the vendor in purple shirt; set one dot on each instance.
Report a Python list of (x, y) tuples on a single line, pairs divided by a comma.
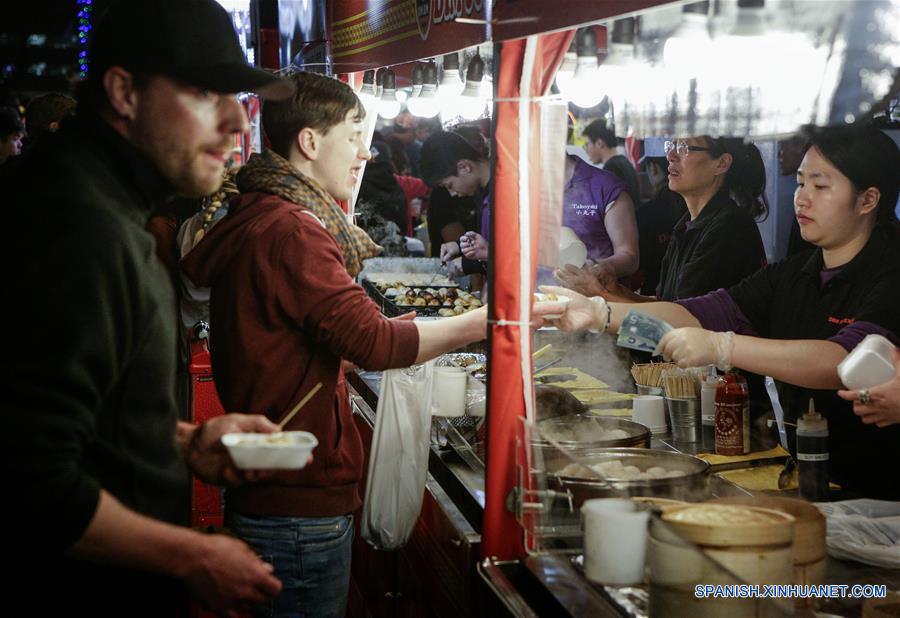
[(797, 319), (598, 208)]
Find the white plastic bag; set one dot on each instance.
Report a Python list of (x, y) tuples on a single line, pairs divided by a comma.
[(398, 464), (867, 531)]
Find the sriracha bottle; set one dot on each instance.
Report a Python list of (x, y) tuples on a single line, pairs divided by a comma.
[(732, 415)]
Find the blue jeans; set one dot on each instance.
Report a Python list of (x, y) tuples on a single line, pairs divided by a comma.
[(311, 556)]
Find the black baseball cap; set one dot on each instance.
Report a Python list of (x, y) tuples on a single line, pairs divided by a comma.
[(192, 41)]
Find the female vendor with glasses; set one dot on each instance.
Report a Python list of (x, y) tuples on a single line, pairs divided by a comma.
[(717, 242), (797, 319)]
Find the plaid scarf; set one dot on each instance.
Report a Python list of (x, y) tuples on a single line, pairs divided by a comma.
[(270, 173)]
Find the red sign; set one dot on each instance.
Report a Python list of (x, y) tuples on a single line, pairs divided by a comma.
[(514, 19), (366, 34)]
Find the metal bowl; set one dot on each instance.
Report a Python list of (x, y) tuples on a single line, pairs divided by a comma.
[(638, 435), (691, 487)]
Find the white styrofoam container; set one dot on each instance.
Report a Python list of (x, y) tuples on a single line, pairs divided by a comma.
[(869, 364), (288, 450)]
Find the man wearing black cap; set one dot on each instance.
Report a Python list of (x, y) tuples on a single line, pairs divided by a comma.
[(94, 454)]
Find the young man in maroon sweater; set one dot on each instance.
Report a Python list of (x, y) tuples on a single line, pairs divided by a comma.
[(285, 312)]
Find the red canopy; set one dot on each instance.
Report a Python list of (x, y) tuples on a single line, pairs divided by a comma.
[(526, 71)]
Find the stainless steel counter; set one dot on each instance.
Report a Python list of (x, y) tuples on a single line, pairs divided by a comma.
[(553, 584)]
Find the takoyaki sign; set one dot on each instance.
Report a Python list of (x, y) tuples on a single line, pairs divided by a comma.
[(444, 11), (372, 33)]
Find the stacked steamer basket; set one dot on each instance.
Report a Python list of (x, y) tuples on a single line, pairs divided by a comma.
[(748, 544), (810, 557)]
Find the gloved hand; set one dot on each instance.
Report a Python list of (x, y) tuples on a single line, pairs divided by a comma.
[(449, 250), (695, 347), (580, 313), (883, 405)]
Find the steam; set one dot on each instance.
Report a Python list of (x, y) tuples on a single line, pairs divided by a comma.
[(593, 353)]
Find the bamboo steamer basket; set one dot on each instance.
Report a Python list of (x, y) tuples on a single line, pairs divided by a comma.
[(755, 544), (888, 607), (809, 526), (726, 525)]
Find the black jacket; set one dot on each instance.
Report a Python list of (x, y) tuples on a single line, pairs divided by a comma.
[(716, 250), (88, 369), (787, 301)]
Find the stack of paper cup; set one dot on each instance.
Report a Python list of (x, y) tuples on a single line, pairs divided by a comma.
[(649, 411), (449, 391), (615, 541)]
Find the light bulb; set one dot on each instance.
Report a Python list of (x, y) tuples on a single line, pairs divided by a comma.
[(425, 105), (366, 93), (582, 90), (388, 105), (451, 84), (472, 100), (566, 71), (686, 53)]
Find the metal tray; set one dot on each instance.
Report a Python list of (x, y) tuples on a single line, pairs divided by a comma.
[(638, 435), (693, 486)]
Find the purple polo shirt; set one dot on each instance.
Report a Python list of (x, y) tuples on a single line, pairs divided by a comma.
[(587, 197)]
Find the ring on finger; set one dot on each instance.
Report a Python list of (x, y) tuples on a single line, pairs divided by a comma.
[(864, 396)]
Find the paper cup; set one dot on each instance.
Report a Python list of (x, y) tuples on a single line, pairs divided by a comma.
[(449, 391), (615, 541), (648, 410)]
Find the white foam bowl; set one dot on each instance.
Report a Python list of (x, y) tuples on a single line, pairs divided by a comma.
[(869, 364), (545, 298), (287, 450)]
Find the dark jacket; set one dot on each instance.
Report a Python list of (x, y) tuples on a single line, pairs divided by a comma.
[(380, 188), (716, 250), (788, 301), (88, 369), (283, 313)]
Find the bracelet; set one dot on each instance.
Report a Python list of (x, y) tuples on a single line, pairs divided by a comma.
[(599, 300)]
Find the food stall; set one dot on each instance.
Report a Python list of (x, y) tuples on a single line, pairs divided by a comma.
[(505, 490)]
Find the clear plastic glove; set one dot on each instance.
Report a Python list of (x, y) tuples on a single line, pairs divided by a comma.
[(695, 347), (454, 268), (883, 408), (580, 313), (473, 246), (449, 250)]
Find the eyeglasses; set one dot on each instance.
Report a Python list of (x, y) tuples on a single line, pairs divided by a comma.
[(682, 149)]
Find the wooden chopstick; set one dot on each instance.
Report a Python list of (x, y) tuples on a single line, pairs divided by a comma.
[(536, 355), (290, 415)]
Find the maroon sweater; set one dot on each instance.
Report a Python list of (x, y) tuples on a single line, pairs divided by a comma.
[(283, 313)]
